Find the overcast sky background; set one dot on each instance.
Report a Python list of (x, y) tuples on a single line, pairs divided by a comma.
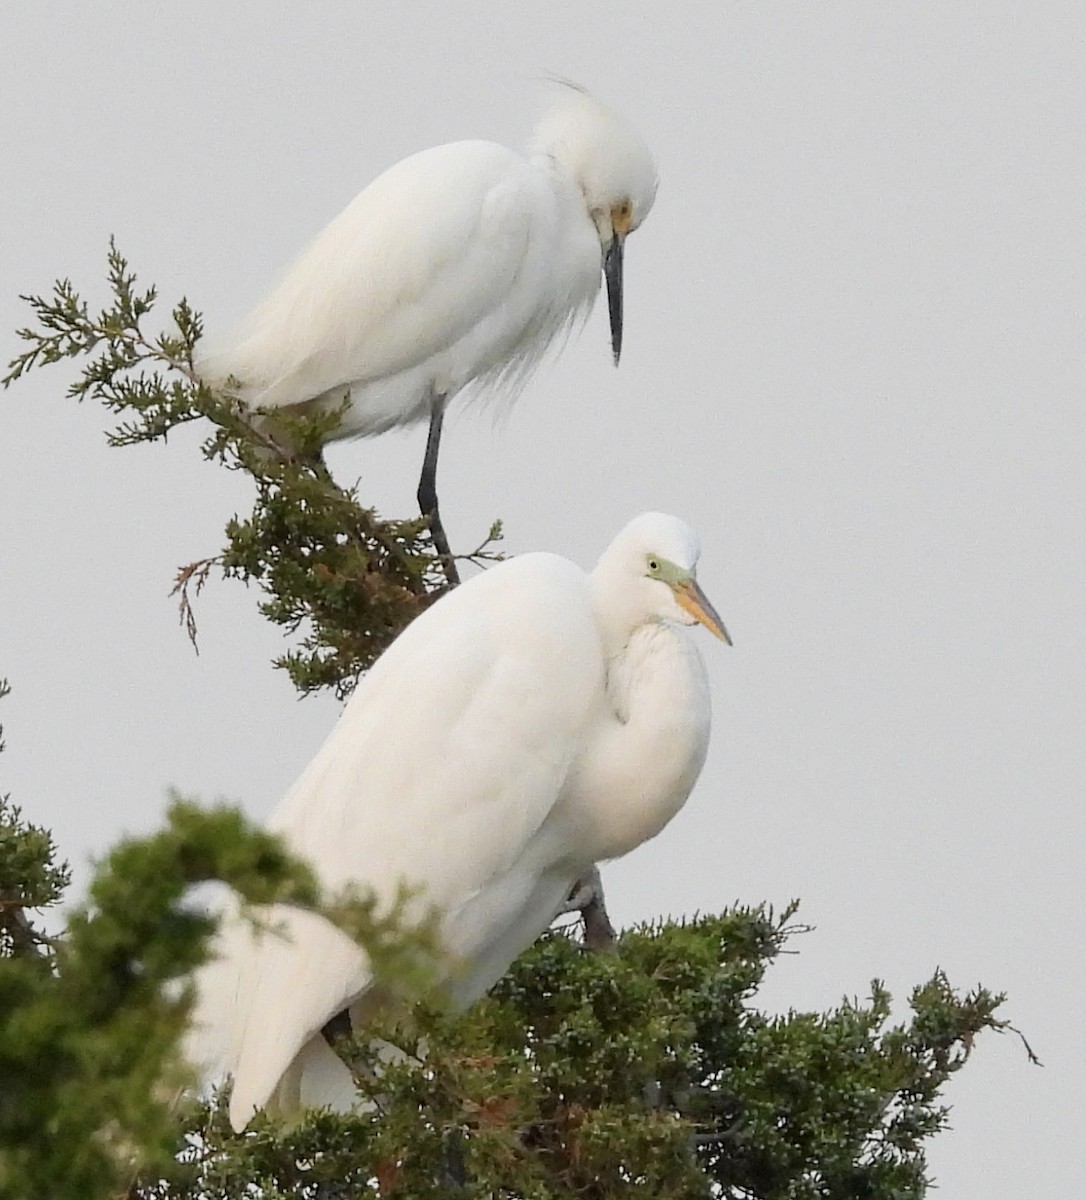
[(854, 361)]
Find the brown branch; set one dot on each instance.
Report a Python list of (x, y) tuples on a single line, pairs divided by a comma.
[(195, 576)]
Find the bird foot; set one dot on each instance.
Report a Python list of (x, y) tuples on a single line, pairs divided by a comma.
[(587, 898)]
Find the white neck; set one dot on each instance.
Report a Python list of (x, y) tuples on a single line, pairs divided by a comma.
[(640, 768)]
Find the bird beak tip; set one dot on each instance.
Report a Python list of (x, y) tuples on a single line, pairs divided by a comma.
[(696, 603)]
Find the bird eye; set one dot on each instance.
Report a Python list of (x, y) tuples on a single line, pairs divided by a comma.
[(653, 565)]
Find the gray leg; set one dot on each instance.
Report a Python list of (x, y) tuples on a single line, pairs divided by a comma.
[(427, 493)]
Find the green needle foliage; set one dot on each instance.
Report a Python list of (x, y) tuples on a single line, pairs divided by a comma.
[(90, 1072), (88, 1053), (647, 1072), (642, 1073), (30, 877), (333, 572)]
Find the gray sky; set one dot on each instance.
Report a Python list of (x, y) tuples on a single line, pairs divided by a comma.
[(853, 362)]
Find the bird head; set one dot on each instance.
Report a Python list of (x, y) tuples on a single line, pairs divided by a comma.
[(615, 172), (650, 572)]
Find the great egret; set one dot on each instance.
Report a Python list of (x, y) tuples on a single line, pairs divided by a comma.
[(455, 269), (533, 722)]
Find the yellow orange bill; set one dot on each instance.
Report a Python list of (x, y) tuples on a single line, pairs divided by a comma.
[(696, 603)]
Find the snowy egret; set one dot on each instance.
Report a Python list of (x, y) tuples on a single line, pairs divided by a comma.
[(533, 722), (455, 269)]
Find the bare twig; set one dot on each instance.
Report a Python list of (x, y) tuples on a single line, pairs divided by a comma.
[(194, 576), (1006, 1025)]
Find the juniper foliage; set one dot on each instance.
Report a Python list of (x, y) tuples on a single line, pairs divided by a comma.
[(334, 574), (90, 1021), (31, 878), (648, 1072)]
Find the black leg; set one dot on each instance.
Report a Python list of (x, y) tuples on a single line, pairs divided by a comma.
[(427, 493), (337, 1028), (587, 899)]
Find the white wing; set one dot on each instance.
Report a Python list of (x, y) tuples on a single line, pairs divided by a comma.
[(440, 773), (419, 258)]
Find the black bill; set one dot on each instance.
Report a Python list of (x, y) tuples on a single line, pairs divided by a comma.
[(612, 273)]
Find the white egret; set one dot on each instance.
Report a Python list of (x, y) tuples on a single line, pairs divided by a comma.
[(454, 270), (533, 722)]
